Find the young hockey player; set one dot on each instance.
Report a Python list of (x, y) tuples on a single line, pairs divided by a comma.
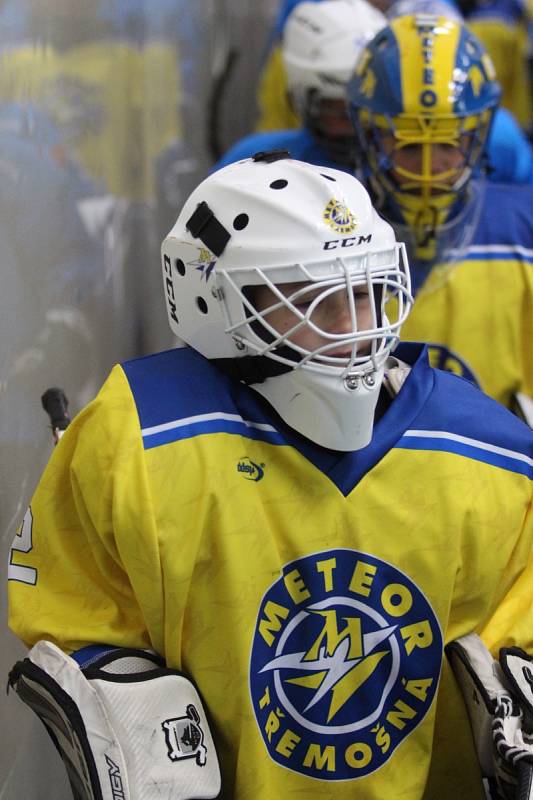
[(289, 510), (422, 100), (308, 71), (321, 43)]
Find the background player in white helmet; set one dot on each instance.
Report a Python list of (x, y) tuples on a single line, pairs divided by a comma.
[(287, 510), (321, 43), (421, 150), (313, 52), (275, 112)]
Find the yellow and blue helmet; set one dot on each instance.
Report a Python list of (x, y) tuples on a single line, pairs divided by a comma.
[(422, 99)]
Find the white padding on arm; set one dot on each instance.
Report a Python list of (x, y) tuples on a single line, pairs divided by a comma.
[(144, 730)]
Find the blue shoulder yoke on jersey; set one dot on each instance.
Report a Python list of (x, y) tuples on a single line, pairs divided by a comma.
[(459, 418), (179, 395)]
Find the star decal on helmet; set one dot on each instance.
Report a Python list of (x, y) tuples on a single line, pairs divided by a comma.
[(205, 263)]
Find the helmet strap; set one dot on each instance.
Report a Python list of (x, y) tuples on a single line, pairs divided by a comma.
[(251, 369), (205, 226)]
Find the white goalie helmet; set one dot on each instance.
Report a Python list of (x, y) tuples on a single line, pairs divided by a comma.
[(308, 239), (321, 44)]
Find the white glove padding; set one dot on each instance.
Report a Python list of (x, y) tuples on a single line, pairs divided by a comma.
[(126, 727), (498, 714), (518, 669)]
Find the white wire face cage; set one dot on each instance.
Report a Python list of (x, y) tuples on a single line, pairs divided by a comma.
[(341, 317)]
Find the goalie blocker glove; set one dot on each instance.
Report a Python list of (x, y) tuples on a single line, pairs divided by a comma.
[(499, 700), (127, 728)]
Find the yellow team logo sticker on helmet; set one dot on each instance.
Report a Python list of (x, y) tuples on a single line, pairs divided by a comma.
[(339, 217)]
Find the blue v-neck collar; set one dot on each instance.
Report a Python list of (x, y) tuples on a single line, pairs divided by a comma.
[(345, 470)]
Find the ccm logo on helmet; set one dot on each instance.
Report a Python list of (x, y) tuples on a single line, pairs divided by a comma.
[(169, 288), (351, 241)]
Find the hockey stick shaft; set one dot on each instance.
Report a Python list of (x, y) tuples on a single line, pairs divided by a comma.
[(55, 403)]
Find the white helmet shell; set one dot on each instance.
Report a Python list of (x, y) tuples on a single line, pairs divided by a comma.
[(321, 44), (267, 222)]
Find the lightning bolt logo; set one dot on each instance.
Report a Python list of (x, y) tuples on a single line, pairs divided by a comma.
[(344, 664), (339, 666)]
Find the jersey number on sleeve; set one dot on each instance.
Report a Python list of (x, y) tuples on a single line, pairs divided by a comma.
[(22, 543)]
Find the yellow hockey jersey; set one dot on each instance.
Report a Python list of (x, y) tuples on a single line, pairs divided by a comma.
[(478, 312), (309, 593), (502, 27)]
